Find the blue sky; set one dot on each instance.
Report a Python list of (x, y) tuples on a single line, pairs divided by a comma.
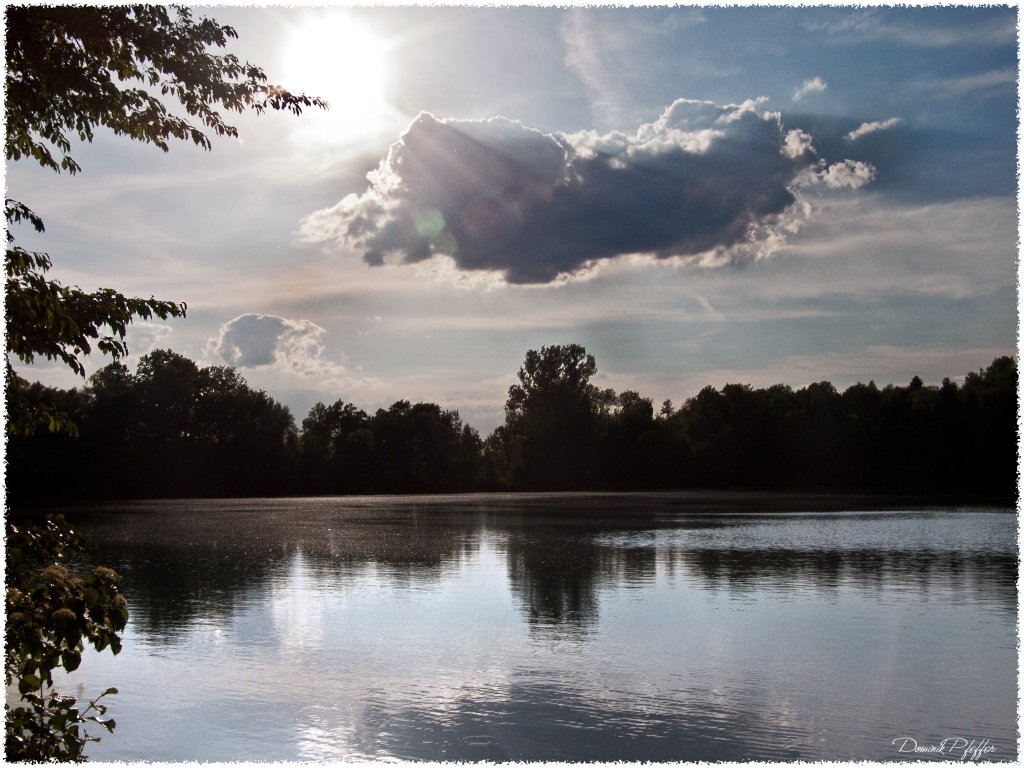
[(697, 195)]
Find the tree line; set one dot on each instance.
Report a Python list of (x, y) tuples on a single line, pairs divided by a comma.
[(175, 429)]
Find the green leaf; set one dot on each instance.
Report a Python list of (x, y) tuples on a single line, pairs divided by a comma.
[(71, 660), (28, 683)]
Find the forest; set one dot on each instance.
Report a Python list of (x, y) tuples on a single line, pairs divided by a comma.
[(175, 429)]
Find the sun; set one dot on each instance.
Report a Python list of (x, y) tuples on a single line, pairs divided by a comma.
[(332, 55)]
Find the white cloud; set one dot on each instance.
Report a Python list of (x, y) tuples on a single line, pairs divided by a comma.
[(814, 85), (865, 128), (268, 341), (847, 174), (798, 145), (347, 383), (144, 336)]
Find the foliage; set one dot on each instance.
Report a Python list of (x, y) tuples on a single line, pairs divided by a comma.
[(555, 371), (180, 430), (67, 67), (175, 429), (69, 70), (423, 448), (337, 449), (562, 432), (51, 614), (551, 418), (46, 318)]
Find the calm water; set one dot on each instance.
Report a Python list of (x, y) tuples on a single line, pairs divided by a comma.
[(559, 628)]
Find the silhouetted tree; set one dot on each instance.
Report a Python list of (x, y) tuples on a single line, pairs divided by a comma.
[(553, 413), (988, 427), (170, 429), (631, 441), (337, 450), (419, 447), (46, 463)]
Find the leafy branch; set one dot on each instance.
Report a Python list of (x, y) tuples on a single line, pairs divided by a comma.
[(51, 614)]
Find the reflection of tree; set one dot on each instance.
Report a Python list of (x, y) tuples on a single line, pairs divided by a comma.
[(556, 571), (555, 580), (557, 556), (170, 588), (986, 574), (184, 563), (630, 566)]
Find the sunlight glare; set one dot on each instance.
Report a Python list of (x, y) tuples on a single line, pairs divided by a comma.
[(331, 55)]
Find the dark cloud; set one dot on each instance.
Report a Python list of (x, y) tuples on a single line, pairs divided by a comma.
[(249, 341), (703, 180)]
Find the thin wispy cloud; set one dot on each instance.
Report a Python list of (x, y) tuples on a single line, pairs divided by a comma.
[(585, 55), (873, 127), (612, 59), (983, 81), (814, 85), (869, 25), (703, 182)]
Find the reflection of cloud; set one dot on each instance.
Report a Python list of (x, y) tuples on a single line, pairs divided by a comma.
[(703, 182), (865, 128), (391, 680), (603, 716), (814, 85), (267, 341)]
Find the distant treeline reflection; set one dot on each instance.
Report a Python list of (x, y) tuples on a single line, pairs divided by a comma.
[(174, 429), (556, 571)]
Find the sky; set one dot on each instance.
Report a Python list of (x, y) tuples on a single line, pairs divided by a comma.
[(698, 195)]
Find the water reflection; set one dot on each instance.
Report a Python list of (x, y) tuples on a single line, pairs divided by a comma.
[(555, 580), (986, 577), (549, 628), (185, 562), (170, 587), (539, 721)]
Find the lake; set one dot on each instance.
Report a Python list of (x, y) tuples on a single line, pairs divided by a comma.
[(569, 627)]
